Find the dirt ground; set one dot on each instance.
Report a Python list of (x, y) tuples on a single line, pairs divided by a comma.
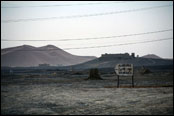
[(72, 94)]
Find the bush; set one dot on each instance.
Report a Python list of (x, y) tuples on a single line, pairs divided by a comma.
[(94, 75), (145, 71)]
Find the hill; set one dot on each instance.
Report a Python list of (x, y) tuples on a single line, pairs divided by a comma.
[(26, 56), (110, 60), (153, 56)]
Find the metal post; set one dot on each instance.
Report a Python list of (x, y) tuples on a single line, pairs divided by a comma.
[(118, 81), (132, 81)]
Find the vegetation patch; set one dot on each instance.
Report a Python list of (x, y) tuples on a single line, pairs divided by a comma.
[(94, 75)]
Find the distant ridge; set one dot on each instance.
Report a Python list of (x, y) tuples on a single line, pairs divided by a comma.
[(27, 56), (153, 56), (110, 61)]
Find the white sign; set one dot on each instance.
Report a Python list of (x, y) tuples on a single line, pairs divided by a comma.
[(124, 69)]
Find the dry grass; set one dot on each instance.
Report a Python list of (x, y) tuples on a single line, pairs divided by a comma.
[(73, 95), (139, 86)]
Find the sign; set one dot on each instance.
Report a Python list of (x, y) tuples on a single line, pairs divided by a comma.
[(124, 69)]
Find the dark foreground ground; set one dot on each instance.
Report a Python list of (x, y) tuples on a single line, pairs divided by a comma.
[(69, 93)]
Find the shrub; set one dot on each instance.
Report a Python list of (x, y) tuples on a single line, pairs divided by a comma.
[(94, 74)]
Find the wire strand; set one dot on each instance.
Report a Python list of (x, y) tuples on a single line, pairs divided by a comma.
[(100, 46), (86, 15), (115, 36), (118, 44), (60, 5)]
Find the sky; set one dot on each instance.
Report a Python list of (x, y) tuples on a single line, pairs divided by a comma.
[(43, 21)]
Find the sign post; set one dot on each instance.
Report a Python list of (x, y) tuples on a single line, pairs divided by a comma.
[(124, 70), (118, 81), (132, 81)]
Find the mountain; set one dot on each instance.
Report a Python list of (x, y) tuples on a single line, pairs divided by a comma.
[(110, 60), (153, 56), (26, 56)]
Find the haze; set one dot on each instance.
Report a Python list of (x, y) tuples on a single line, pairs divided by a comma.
[(88, 27)]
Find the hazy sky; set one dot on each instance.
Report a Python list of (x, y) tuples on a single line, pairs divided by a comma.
[(125, 23)]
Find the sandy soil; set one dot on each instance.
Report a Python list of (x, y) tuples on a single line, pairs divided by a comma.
[(72, 94)]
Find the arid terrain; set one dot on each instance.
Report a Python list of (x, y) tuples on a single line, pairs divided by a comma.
[(68, 92)]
